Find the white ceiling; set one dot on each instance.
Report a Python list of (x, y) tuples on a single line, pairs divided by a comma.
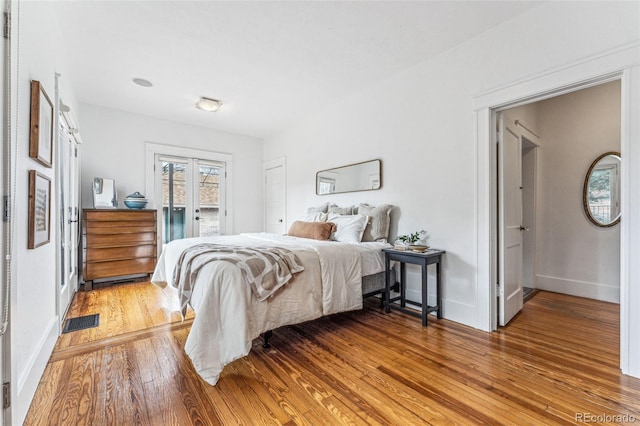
[(271, 63)]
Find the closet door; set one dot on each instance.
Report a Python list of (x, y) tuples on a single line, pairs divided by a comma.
[(510, 274), (69, 213)]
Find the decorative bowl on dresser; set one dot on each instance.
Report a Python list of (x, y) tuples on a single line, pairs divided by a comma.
[(117, 243)]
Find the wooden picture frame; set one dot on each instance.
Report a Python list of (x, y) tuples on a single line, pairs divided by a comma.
[(39, 209), (41, 126)]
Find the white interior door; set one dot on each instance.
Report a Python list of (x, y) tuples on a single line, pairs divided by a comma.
[(510, 227), (193, 197), (69, 212), (275, 199)]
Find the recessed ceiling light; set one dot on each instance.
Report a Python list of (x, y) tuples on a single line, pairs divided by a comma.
[(208, 104), (142, 82)]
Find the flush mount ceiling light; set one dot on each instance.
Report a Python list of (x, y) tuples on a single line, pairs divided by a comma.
[(208, 104), (142, 82)]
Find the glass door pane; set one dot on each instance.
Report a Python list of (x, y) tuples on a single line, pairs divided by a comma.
[(174, 200), (208, 209)]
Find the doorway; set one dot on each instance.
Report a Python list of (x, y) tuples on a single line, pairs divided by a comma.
[(576, 127), (529, 188)]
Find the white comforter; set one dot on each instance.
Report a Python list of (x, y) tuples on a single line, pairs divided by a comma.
[(229, 316)]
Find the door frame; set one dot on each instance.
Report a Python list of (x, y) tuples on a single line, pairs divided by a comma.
[(621, 64), (152, 149)]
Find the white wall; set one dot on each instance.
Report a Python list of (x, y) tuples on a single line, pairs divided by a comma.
[(34, 322), (114, 147), (424, 131), (575, 256)]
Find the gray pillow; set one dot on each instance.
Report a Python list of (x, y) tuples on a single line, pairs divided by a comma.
[(341, 210), (320, 209), (378, 227)]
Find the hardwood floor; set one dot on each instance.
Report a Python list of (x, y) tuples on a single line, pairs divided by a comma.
[(556, 363)]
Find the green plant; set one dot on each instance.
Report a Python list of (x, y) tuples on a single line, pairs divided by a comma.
[(413, 237)]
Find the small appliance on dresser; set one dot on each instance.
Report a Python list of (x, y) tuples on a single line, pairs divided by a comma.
[(117, 243)]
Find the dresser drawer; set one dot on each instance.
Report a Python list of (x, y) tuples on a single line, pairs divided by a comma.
[(120, 253), (93, 240), (119, 215), (130, 228), (94, 270)]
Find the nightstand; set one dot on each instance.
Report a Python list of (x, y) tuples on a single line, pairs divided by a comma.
[(429, 257)]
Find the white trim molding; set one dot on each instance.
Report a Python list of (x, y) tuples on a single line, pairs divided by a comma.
[(622, 64)]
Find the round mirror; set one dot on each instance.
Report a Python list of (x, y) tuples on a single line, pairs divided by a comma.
[(601, 193)]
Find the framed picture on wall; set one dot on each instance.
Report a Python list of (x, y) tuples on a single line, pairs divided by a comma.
[(41, 123), (39, 209)]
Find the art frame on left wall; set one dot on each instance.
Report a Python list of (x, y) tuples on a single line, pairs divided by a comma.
[(41, 125), (39, 209)]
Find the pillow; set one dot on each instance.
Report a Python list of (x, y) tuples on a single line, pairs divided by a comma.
[(349, 228), (319, 209), (313, 230), (378, 229), (340, 210), (314, 217)]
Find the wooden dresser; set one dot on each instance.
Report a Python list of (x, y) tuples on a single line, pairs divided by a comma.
[(117, 243)]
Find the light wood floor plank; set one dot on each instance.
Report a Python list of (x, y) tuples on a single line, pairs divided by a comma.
[(557, 358)]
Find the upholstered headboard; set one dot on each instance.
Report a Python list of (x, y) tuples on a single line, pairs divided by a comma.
[(381, 226)]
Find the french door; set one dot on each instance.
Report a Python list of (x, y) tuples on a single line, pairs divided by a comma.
[(69, 212), (193, 197)]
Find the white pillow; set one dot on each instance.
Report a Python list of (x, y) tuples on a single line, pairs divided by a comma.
[(349, 228), (314, 217)]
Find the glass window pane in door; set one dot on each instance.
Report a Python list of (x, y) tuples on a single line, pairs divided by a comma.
[(174, 199), (209, 199)]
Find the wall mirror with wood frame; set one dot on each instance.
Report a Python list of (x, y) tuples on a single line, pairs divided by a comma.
[(601, 190), (364, 176)]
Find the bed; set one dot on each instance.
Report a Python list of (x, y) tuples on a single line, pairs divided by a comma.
[(229, 315)]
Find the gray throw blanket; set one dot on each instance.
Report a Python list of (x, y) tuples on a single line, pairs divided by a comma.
[(266, 269)]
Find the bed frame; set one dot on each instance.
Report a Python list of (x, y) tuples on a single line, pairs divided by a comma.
[(372, 285)]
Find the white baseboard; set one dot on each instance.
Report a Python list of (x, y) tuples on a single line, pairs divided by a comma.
[(451, 309), (28, 381), (597, 291)]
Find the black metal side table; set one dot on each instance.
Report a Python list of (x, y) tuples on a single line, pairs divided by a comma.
[(424, 259)]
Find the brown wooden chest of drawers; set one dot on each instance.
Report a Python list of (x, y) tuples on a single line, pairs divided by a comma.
[(117, 243)]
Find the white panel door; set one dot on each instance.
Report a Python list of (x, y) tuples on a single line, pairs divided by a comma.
[(510, 274), (69, 209), (275, 199)]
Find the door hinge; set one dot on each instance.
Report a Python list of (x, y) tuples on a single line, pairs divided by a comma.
[(6, 209), (7, 25), (75, 152), (6, 395), (499, 290)]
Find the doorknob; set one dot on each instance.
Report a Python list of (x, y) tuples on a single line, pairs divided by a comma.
[(524, 228), (197, 218), (279, 220)]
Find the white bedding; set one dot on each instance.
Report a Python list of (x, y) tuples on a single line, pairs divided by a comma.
[(229, 316)]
